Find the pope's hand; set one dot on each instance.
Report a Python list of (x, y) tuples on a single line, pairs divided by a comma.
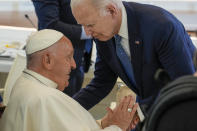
[(122, 115)]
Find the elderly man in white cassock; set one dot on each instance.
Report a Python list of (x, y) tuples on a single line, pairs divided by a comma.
[(37, 102)]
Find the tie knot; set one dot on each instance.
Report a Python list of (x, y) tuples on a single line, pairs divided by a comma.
[(117, 39)]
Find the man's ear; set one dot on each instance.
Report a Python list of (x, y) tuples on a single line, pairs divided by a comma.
[(48, 61), (112, 9)]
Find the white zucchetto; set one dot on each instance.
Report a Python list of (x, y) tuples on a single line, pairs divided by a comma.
[(41, 40)]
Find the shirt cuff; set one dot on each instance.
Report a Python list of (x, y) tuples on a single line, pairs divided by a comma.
[(140, 114), (99, 123), (83, 34), (113, 128)]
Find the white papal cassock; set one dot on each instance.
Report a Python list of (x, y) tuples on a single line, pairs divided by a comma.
[(36, 105)]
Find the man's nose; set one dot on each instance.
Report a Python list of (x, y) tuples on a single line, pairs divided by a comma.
[(73, 64), (88, 30)]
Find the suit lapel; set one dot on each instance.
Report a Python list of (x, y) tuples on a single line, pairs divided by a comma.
[(135, 43)]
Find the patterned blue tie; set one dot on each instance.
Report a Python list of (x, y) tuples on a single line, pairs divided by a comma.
[(124, 59), (88, 45)]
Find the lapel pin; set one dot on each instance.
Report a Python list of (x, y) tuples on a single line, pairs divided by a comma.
[(137, 42)]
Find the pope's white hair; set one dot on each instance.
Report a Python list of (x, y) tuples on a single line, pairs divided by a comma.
[(98, 4)]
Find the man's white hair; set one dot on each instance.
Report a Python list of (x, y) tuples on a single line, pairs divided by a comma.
[(98, 4)]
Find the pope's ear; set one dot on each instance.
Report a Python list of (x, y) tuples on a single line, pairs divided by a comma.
[(48, 61)]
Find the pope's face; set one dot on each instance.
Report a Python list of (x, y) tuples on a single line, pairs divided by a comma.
[(64, 63), (102, 27)]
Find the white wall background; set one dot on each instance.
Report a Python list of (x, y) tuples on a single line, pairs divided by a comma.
[(16, 5)]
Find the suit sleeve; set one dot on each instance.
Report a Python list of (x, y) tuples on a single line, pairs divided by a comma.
[(175, 50), (99, 87), (48, 13)]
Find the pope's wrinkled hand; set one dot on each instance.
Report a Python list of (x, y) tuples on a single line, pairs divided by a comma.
[(122, 115)]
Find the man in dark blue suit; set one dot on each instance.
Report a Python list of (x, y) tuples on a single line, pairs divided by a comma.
[(1, 101), (2, 108), (133, 41), (56, 14)]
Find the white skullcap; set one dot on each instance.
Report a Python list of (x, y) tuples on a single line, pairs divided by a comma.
[(42, 39)]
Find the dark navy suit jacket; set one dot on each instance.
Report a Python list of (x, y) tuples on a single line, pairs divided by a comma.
[(157, 40)]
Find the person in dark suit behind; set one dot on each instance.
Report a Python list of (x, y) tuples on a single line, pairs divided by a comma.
[(2, 107), (56, 14), (133, 41)]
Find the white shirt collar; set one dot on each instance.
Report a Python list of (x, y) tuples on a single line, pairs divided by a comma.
[(123, 32), (41, 78)]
